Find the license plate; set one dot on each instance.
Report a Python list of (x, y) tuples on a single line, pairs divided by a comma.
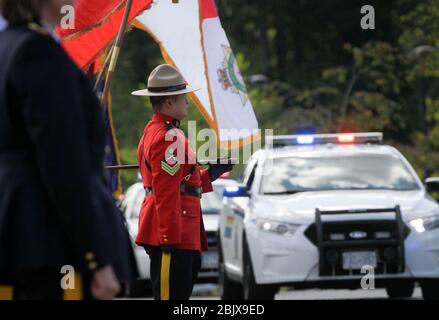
[(356, 260), (209, 260)]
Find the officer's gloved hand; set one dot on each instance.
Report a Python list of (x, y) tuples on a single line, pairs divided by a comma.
[(217, 169), (168, 248)]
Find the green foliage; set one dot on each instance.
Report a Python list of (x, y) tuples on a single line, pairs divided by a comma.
[(326, 73), (129, 177)]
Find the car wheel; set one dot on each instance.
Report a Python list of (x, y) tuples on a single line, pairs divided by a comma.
[(400, 290), (430, 289), (228, 289), (252, 290)]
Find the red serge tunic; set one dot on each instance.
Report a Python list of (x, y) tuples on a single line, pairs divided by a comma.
[(168, 216)]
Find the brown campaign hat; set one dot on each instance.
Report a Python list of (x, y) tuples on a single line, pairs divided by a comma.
[(165, 80)]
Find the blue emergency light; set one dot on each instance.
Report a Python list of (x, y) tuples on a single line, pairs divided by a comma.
[(305, 139), (236, 191)]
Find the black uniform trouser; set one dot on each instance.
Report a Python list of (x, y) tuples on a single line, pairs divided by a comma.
[(173, 274), (45, 284)]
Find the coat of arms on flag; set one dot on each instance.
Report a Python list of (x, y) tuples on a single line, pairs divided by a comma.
[(230, 76)]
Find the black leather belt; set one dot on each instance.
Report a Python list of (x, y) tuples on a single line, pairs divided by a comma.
[(190, 191), (184, 189)]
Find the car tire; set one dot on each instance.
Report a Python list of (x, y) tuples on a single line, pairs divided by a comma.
[(400, 290), (430, 289), (252, 290), (228, 289)]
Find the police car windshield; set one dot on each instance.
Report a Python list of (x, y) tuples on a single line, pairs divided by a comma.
[(353, 172)]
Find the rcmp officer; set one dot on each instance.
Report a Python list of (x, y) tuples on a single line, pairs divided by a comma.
[(55, 209), (171, 225)]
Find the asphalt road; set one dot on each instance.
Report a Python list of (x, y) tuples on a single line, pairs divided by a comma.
[(208, 291)]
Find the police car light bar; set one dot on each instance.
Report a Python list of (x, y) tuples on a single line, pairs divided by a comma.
[(338, 138)]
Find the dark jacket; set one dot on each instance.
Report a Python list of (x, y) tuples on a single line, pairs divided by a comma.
[(55, 209)]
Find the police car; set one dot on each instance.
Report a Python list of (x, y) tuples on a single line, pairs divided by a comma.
[(325, 211), (210, 205)]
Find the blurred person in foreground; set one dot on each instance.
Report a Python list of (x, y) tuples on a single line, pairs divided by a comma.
[(55, 209)]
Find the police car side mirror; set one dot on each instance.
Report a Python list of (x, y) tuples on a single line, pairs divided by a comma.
[(236, 191), (432, 184)]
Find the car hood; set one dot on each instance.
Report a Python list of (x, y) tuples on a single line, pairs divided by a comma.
[(301, 207)]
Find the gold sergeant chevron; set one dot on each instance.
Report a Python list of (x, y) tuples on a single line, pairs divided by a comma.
[(171, 170)]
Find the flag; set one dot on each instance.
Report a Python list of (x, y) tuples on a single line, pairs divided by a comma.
[(90, 14), (97, 23), (192, 39), (111, 155)]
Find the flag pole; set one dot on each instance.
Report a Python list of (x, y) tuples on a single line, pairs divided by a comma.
[(104, 68), (123, 167), (115, 52), (200, 162)]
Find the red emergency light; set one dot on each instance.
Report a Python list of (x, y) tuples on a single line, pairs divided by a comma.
[(346, 138)]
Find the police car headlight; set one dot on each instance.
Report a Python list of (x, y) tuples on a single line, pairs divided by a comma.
[(425, 224), (277, 227)]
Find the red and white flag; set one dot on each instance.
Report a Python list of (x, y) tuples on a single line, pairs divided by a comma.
[(192, 39), (97, 23)]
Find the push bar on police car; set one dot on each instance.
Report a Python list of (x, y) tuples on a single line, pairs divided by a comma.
[(323, 244)]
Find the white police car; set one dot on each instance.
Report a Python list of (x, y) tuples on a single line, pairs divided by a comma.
[(323, 211)]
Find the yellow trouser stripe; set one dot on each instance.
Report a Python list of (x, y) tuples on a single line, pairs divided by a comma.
[(6, 293), (75, 294), (164, 276)]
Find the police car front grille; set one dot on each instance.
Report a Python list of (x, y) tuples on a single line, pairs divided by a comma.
[(380, 236)]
